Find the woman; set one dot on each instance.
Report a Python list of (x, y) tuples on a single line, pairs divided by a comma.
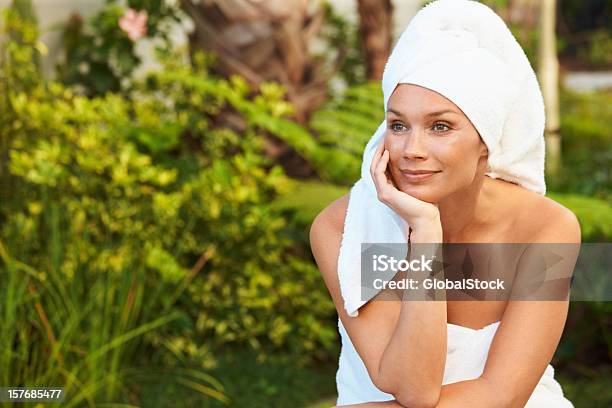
[(458, 159)]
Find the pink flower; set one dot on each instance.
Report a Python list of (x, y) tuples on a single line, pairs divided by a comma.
[(134, 23)]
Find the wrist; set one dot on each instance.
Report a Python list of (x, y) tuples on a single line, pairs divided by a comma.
[(426, 237), (426, 229)]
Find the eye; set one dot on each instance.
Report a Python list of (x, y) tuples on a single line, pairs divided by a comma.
[(438, 129), (397, 126)]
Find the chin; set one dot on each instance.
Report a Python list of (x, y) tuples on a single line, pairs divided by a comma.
[(421, 192)]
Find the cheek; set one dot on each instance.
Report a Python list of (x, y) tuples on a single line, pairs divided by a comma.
[(393, 144), (461, 168), (459, 155)]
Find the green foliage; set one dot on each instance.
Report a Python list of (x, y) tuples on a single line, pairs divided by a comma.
[(590, 389), (19, 53), (345, 124), (253, 384), (308, 198), (72, 298), (99, 55), (496, 5), (585, 142), (25, 10), (584, 352), (595, 215), (529, 39), (140, 230), (586, 33), (331, 163), (599, 51), (342, 38)]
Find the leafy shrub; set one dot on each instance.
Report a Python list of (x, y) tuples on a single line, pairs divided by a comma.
[(600, 48), (586, 144), (345, 124), (140, 230)]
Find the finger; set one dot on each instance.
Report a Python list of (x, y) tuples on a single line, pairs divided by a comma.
[(387, 171), (379, 174), (390, 177), (382, 163), (376, 156), (374, 171)]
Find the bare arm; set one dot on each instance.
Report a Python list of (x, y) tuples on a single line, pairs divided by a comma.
[(522, 347), (419, 341), (406, 356), (526, 338)]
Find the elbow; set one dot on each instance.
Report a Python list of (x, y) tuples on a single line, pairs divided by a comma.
[(410, 389), (418, 399), (409, 396)]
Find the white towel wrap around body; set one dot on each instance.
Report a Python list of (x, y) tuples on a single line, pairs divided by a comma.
[(467, 352)]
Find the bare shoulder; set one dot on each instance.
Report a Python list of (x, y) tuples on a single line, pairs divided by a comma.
[(546, 220), (331, 216), (326, 236)]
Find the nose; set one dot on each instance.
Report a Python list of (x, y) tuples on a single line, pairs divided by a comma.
[(414, 145)]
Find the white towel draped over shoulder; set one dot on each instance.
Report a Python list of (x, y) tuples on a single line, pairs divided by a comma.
[(367, 220), (462, 50)]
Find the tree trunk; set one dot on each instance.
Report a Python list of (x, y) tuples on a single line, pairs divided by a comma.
[(548, 67), (375, 29), (264, 41)]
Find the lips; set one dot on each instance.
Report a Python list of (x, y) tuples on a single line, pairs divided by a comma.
[(418, 171), (418, 175)]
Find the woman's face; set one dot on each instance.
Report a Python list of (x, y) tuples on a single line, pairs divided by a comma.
[(426, 131)]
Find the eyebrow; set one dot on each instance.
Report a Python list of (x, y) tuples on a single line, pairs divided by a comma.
[(429, 115)]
